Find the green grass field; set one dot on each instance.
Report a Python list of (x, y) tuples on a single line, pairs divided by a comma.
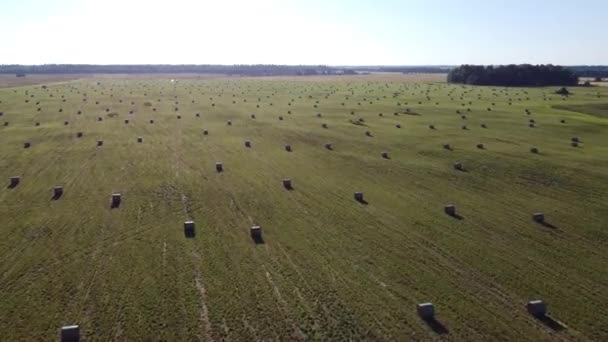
[(330, 268)]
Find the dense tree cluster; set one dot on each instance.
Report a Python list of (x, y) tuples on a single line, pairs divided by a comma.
[(249, 70), (590, 70), (513, 75)]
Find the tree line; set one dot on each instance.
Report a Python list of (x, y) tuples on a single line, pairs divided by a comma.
[(246, 70), (523, 75)]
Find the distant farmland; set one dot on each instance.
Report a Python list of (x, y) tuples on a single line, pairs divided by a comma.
[(330, 267)]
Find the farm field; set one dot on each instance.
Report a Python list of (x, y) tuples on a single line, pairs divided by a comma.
[(329, 267)]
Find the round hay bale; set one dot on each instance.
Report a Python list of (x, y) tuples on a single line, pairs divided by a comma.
[(398, 125), (538, 217), (287, 184), (431, 127), (79, 135), (329, 146), (14, 181), (140, 139), (288, 148), (480, 146), (205, 132), (426, 311), (458, 166), (358, 196), (219, 167), (99, 142), (247, 143), (229, 123), (385, 155), (27, 144), (450, 209), (534, 150), (151, 121)]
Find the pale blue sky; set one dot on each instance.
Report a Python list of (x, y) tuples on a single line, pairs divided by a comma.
[(340, 32)]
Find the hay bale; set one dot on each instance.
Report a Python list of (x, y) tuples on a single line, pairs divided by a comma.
[(256, 232), (219, 167), (65, 123), (151, 121), (534, 150), (280, 117), (14, 181), (140, 139), (458, 166), (447, 147), (385, 155), (358, 196), (99, 142), (116, 199), (198, 115), (329, 146), (253, 116), (538, 217), (398, 125), (464, 127), (288, 148), (57, 191), (99, 118), (484, 126), (574, 144), (287, 184), (179, 117), (247, 143), (537, 308), (450, 209), (575, 140), (563, 121), (431, 126), (79, 135), (425, 310), (27, 144), (37, 124), (189, 228), (229, 123), (324, 125), (480, 146), (5, 123), (368, 133), (70, 333)]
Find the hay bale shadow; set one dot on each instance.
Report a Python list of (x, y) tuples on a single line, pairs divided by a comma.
[(547, 225), (190, 233), (56, 196), (436, 326), (258, 239), (550, 322), (362, 201), (114, 205), (457, 216)]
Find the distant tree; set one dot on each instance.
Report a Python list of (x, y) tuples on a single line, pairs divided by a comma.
[(563, 91), (598, 79)]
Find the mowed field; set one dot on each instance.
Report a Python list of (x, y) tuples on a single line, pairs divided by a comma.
[(329, 268)]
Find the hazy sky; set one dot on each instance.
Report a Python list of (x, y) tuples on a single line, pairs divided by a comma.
[(340, 32)]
